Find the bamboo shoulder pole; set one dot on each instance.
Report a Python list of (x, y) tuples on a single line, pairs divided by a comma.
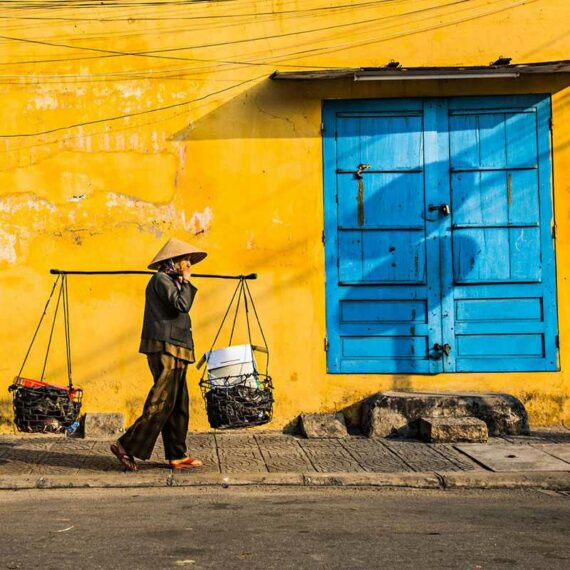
[(128, 272)]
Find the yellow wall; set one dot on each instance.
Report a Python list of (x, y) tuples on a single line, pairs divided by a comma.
[(237, 173)]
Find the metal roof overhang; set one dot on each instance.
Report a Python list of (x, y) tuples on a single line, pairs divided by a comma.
[(419, 73)]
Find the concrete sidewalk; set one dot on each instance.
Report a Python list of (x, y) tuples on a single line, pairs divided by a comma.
[(541, 460)]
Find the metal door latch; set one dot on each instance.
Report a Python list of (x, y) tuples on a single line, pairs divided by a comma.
[(443, 209), (361, 168), (360, 195), (445, 348)]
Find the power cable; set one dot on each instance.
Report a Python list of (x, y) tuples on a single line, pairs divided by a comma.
[(211, 17), (156, 53), (142, 72), (131, 13), (375, 40), (349, 45), (135, 114), (234, 20)]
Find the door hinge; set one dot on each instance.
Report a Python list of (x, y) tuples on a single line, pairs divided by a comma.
[(323, 237), (550, 123), (557, 341), (326, 344), (554, 231), (322, 129)]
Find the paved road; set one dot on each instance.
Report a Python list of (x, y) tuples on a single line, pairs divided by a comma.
[(283, 528)]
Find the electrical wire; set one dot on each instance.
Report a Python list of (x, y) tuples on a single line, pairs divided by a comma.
[(256, 61), (69, 138), (158, 53), (349, 45), (131, 14), (259, 77), (134, 114), (234, 20), (209, 17)]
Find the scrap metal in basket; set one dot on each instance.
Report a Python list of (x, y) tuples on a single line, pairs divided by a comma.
[(237, 395), (39, 406)]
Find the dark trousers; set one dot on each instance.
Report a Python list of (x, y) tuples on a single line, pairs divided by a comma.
[(165, 411)]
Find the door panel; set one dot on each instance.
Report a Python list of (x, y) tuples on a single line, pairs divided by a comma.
[(382, 311), (437, 224), (493, 139), (383, 195), (500, 227), (498, 310), (488, 255), (388, 141), (500, 345), (377, 266), (508, 197)]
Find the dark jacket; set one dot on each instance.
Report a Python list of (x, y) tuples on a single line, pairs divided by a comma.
[(166, 309)]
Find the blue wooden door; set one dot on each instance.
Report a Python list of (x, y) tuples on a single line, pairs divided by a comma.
[(439, 251)]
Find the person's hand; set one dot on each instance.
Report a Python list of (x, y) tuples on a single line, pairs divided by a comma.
[(186, 268)]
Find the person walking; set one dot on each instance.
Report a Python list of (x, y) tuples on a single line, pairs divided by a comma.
[(166, 340)]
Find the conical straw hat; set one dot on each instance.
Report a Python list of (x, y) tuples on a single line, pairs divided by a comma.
[(175, 248)]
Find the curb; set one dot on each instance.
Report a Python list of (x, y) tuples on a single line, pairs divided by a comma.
[(425, 480), (550, 480)]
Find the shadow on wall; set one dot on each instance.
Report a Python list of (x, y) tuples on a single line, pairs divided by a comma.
[(267, 110), (292, 109)]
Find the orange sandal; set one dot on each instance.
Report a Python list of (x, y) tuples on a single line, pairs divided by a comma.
[(186, 463), (127, 461)]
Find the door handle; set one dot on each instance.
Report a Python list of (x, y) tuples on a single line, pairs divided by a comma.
[(443, 209), (443, 348)]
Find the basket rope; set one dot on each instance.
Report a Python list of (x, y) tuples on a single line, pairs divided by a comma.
[(38, 327), (40, 406), (62, 299), (233, 402), (242, 290)]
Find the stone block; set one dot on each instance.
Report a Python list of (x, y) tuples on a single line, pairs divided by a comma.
[(382, 422), (104, 425), (451, 430), (323, 425), (503, 413)]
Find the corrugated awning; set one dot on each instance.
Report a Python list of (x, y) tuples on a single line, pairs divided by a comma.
[(418, 73)]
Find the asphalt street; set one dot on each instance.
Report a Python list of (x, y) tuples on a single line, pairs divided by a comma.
[(298, 528)]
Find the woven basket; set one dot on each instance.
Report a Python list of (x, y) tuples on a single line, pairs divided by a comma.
[(40, 407), (238, 401)]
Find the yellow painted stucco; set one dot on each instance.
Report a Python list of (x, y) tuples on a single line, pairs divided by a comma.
[(231, 161)]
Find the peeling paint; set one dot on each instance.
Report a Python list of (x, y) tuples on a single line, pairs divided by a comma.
[(181, 160), (25, 216), (42, 102), (7, 247), (131, 90), (199, 222), (14, 203)]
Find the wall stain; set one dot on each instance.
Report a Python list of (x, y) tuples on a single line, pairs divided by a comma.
[(25, 215), (544, 409)]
